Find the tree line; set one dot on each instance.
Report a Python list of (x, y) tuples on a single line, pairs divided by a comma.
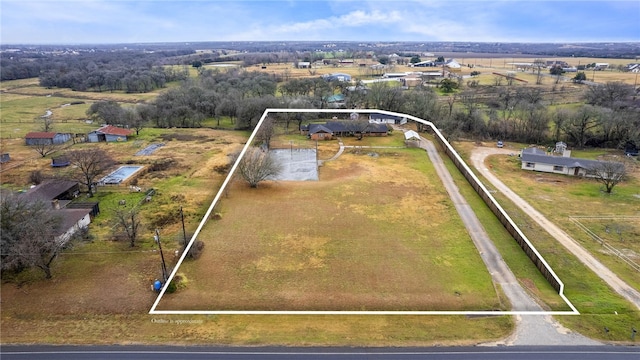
[(608, 116)]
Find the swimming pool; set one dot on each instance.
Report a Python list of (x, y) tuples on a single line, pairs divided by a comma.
[(120, 175)]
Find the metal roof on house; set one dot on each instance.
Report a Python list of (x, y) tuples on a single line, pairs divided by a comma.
[(378, 116), (49, 190), (40, 135), (411, 135), (536, 155), (114, 130)]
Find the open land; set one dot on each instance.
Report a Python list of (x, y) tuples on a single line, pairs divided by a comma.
[(100, 289), (375, 233)]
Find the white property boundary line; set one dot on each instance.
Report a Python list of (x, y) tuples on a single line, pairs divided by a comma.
[(153, 310)]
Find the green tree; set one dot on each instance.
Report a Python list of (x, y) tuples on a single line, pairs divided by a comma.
[(108, 112), (448, 85), (415, 59), (580, 77)]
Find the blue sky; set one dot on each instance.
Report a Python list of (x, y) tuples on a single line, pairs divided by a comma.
[(126, 21)]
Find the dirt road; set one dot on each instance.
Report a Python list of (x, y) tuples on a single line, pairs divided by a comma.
[(530, 329), (618, 285)]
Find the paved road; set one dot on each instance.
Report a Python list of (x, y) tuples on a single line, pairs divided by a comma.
[(618, 285), (38, 352), (530, 329)]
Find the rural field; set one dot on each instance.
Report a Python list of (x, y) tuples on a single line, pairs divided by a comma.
[(406, 251), (377, 232)]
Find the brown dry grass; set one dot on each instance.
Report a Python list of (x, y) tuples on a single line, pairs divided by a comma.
[(100, 291), (371, 234)]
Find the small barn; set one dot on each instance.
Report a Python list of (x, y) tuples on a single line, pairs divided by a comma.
[(337, 77), (109, 133), (53, 190), (411, 138), (46, 138)]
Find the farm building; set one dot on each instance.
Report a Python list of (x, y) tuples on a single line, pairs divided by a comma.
[(411, 135), (53, 190), (336, 101), (453, 65), (535, 159), (46, 138), (411, 138), (427, 63), (302, 65), (376, 118), (337, 77), (109, 133), (60, 193)]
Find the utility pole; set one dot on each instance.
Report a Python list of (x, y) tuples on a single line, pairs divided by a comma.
[(165, 276), (184, 232)]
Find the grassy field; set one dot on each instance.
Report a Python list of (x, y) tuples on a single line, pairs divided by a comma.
[(556, 196), (100, 290), (74, 303), (375, 233)]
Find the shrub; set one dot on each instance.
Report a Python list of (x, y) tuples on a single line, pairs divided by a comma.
[(36, 177), (171, 287), (196, 250)]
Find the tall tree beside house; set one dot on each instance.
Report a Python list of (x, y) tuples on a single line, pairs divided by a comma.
[(28, 234), (90, 164), (609, 174), (581, 125)]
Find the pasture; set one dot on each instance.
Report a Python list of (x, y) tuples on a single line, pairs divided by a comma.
[(376, 232)]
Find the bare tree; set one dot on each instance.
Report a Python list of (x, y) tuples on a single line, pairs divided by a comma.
[(128, 222), (256, 166), (47, 124), (29, 234), (266, 132), (45, 148), (91, 163), (539, 64), (609, 174)]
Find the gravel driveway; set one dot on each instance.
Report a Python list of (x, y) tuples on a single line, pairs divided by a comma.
[(530, 329)]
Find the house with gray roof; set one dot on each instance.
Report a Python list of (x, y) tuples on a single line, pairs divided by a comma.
[(333, 129), (535, 159)]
